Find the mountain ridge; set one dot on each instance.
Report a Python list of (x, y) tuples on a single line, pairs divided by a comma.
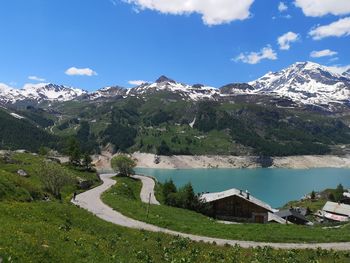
[(303, 82), (306, 82)]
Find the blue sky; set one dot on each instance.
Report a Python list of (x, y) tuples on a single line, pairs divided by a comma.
[(95, 43)]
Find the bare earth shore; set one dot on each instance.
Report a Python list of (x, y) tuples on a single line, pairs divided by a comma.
[(146, 160)]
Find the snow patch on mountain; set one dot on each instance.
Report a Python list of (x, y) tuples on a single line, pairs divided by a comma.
[(108, 92), (347, 73), (302, 82), (39, 92), (15, 115), (191, 92), (305, 82)]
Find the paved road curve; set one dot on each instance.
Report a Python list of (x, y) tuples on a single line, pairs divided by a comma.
[(147, 189), (91, 201)]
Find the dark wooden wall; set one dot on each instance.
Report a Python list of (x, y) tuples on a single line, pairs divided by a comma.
[(235, 206)]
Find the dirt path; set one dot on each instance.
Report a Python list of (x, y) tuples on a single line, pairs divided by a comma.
[(147, 190), (91, 201)]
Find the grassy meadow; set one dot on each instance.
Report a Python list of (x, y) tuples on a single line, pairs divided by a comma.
[(35, 230), (124, 197)]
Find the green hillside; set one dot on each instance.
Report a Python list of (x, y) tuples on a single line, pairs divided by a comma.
[(163, 123), (34, 230), (23, 134), (166, 124)]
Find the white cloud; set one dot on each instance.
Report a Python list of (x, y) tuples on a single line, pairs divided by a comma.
[(323, 7), (333, 59), (255, 57), (137, 82), (36, 78), (285, 40), (338, 68), (335, 29), (282, 7), (73, 71), (4, 87), (323, 53), (114, 2), (214, 12), (31, 86)]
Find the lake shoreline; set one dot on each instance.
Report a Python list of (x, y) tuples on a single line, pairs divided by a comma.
[(146, 160)]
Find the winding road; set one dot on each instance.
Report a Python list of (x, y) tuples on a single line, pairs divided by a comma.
[(147, 190), (91, 201)]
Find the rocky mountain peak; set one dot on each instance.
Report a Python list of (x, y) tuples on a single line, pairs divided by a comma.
[(305, 82), (235, 88), (347, 73), (163, 78)]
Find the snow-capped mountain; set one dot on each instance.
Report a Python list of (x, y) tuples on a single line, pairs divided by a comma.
[(237, 89), (302, 82), (108, 92), (193, 92), (305, 82), (347, 73), (39, 92)]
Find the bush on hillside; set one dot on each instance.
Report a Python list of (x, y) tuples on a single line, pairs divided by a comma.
[(53, 178), (183, 197), (123, 164)]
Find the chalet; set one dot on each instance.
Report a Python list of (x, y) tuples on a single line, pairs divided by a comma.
[(294, 215), (346, 198), (235, 205), (336, 212)]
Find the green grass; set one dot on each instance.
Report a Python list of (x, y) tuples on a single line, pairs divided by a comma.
[(313, 205), (318, 203), (57, 231), (181, 138), (123, 197), (14, 187)]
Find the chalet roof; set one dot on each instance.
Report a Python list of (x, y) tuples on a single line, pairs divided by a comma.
[(211, 197), (291, 212), (335, 217), (337, 208), (346, 194), (271, 217)]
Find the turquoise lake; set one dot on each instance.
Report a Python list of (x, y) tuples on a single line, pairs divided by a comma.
[(274, 186)]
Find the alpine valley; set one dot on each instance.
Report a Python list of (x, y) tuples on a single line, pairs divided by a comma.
[(301, 110)]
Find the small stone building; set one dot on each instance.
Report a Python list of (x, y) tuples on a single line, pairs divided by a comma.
[(235, 205)]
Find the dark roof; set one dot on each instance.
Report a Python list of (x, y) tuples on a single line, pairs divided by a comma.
[(291, 212), (211, 197)]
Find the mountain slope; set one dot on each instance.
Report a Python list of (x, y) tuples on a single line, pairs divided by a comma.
[(38, 93), (160, 124), (306, 82), (189, 92), (346, 73), (19, 133)]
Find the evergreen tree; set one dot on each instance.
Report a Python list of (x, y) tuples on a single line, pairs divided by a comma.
[(169, 188), (74, 151), (87, 162), (313, 195), (163, 149)]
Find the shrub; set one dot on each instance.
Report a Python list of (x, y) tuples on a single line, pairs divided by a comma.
[(53, 177), (123, 164)]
